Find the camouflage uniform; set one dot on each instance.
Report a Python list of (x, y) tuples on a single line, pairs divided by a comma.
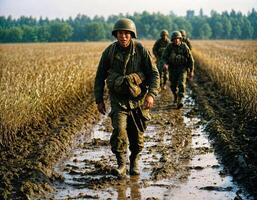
[(158, 49), (185, 39), (130, 76), (180, 61)]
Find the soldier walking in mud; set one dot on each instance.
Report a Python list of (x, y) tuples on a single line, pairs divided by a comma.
[(185, 39), (178, 59), (133, 82), (158, 49)]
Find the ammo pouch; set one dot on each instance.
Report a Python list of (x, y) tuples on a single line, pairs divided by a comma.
[(177, 59), (125, 85), (134, 80), (117, 83)]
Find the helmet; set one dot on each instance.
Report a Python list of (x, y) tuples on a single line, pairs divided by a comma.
[(183, 32), (176, 34), (164, 32), (125, 24)]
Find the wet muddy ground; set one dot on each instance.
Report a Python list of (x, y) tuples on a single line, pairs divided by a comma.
[(178, 162)]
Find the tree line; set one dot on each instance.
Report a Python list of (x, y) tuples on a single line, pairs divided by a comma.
[(225, 25)]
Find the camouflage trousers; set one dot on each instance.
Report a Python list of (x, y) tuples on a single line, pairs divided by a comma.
[(178, 79), (164, 74), (126, 130)]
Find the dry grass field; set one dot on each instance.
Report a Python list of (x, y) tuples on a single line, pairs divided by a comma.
[(42, 83), (232, 65), (39, 81)]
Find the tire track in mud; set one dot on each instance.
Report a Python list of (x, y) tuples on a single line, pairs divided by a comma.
[(177, 162)]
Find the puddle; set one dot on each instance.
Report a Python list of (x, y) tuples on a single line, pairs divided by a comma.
[(199, 176)]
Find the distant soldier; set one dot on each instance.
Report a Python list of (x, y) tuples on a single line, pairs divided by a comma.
[(185, 38), (178, 59), (158, 49), (133, 82)]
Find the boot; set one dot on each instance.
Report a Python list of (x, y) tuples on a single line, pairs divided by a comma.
[(180, 103), (134, 167), (121, 170)]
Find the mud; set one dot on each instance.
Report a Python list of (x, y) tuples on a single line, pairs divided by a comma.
[(232, 130), (178, 162)]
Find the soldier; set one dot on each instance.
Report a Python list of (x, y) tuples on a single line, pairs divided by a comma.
[(178, 59), (158, 49), (133, 82), (185, 39)]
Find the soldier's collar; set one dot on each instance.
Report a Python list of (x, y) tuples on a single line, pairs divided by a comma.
[(131, 47)]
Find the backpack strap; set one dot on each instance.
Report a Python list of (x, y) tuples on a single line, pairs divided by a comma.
[(111, 53)]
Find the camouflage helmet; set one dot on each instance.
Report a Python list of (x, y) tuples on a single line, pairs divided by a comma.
[(164, 32), (176, 34), (183, 32), (125, 24)]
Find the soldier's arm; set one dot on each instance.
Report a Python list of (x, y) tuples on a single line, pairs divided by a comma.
[(100, 77), (165, 55), (152, 74), (190, 61), (155, 52), (189, 44)]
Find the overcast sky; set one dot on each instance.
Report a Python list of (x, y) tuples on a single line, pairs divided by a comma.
[(70, 8)]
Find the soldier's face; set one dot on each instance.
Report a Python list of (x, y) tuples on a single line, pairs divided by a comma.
[(124, 38), (177, 41), (164, 37)]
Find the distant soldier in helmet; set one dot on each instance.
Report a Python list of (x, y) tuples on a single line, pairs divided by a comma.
[(185, 38), (133, 83), (158, 49), (178, 59)]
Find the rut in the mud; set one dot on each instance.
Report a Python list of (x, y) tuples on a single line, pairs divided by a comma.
[(177, 162)]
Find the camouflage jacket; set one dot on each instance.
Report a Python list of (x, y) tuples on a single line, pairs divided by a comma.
[(178, 57), (115, 63), (187, 41), (159, 47)]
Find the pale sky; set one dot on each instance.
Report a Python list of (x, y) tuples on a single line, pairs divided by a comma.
[(70, 8)]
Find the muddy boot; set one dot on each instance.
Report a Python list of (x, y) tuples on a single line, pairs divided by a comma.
[(121, 170), (134, 167), (179, 103)]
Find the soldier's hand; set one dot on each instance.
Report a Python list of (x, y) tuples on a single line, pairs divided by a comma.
[(165, 67), (149, 102), (101, 108)]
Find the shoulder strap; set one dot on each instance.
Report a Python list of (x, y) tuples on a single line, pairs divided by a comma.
[(112, 49), (111, 53)]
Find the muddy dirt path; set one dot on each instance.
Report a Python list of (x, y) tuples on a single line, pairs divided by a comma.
[(178, 162)]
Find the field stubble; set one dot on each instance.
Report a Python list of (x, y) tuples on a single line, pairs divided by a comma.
[(226, 92), (43, 82), (232, 65), (39, 81)]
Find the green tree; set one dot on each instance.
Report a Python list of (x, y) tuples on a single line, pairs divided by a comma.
[(205, 31), (14, 34), (247, 29), (182, 23), (60, 31), (227, 27), (252, 17), (95, 31), (43, 33), (29, 33), (217, 30)]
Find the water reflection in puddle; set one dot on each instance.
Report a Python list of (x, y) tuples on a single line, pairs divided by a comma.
[(205, 180)]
